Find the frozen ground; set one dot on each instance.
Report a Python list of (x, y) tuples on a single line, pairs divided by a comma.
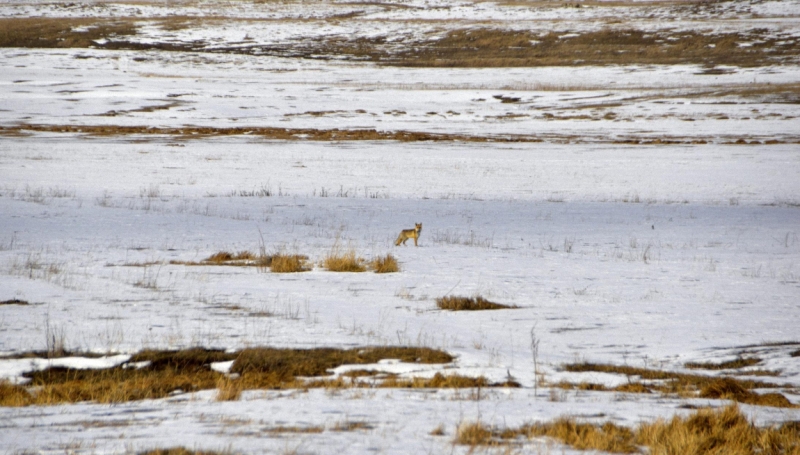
[(641, 254)]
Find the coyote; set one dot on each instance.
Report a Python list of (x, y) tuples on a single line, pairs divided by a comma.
[(406, 234)]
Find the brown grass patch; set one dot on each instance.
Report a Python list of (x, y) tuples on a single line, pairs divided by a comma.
[(385, 264), (289, 263), (14, 302), (305, 134), (38, 32), (456, 303), (505, 48), (290, 363), (240, 259), (685, 384), (723, 431), (348, 261), (170, 372), (438, 381), (740, 362)]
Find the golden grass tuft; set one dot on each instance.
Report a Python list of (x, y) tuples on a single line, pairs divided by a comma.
[(457, 303), (13, 395), (584, 436), (724, 431), (708, 431), (348, 261), (385, 264), (289, 263), (475, 434), (229, 389)]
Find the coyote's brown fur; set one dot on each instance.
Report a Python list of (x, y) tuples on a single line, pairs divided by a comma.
[(406, 234)]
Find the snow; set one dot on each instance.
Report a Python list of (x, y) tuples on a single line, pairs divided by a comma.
[(650, 255)]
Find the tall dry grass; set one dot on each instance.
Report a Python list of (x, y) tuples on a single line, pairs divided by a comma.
[(289, 263), (344, 261), (725, 431), (385, 264)]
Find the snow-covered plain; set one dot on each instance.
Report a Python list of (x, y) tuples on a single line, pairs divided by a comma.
[(641, 254)]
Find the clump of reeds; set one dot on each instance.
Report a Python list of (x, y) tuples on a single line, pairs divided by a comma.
[(458, 303)]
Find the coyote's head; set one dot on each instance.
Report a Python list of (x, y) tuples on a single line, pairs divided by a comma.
[(418, 227)]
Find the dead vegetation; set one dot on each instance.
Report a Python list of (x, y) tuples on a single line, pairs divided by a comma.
[(306, 134), (385, 264), (643, 380), (14, 302), (458, 303), (707, 431), (740, 362), (41, 32), (240, 259), (505, 48), (289, 263), (465, 47), (344, 261), (154, 374)]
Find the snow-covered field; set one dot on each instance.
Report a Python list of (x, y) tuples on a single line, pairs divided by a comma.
[(649, 237)]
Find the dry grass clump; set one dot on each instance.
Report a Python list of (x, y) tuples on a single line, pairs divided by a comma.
[(289, 263), (724, 431), (14, 302), (385, 264), (348, 261), (229, 389), (740, 362), (456, 303), (708, 431), (13, 395), (683, 384), (732, 389)]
